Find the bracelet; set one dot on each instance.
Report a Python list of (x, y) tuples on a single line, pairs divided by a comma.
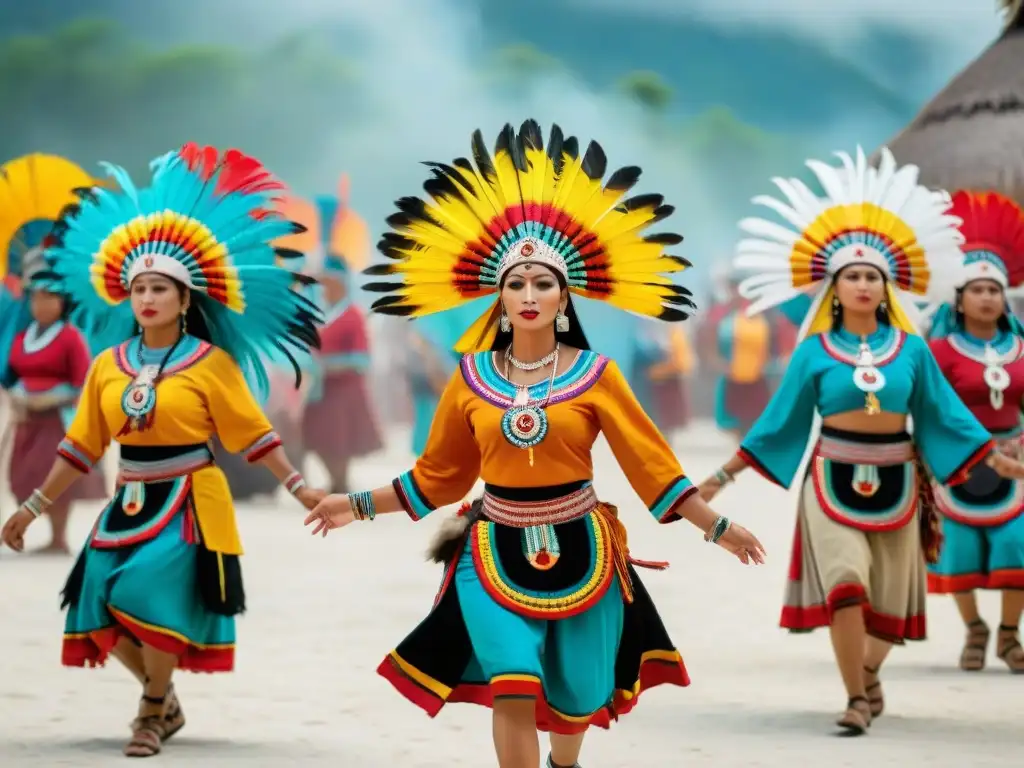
[(294, 483), (36, 503), (723, 476), (362, 505), (716, 531)]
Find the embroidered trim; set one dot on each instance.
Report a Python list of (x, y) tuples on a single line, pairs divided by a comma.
[(886, 354), (415, 504), (524, 514), (965, 348), (872, 454), (897, 516), (34, 342), (176, 497), (262, 447), (551, 605), (484, 380), (122, 358), (678, 491), (76, 455), (164, 469)]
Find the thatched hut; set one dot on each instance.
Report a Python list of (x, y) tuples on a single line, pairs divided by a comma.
[(971, 135)]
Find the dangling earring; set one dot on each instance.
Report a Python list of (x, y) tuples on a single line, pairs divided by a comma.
[(561, 322), (184, 323), (884, 306), (504, 323), (835, 306)]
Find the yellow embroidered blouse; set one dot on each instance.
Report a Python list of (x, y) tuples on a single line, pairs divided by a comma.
[(466, 439), (202, 392)]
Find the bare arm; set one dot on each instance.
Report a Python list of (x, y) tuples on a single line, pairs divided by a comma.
[(62, 476)]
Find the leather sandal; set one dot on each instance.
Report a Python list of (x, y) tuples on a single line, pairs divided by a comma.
[(1010, 649), (972, 657), (174, 717), (147, 732), (551, 764), (875, 700), (856, 720)]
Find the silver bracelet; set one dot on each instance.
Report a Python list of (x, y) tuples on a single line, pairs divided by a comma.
[(723, 476)]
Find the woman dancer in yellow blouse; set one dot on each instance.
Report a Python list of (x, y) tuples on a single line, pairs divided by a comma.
[(540, 614), (187, 262)]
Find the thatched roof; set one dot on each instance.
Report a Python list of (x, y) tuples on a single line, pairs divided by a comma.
[(972, 134)]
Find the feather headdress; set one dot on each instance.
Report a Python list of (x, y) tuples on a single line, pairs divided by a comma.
[(528, 203), (208, 221), (34, 190), (993, 249), (877, 216)]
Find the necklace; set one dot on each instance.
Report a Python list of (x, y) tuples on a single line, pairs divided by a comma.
[(995, 376), (536, 365), (525, 424), (867, 378), (37, 340), (139, 398)]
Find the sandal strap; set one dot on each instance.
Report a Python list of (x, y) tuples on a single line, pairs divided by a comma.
[(1011, 646), (1008, 628)]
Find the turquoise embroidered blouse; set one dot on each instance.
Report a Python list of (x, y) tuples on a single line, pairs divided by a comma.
[(820, 378)]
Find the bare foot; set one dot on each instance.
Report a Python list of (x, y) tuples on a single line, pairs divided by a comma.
[(53, 548)]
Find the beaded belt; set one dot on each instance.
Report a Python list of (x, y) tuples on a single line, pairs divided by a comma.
[(525, 514), (878, 454), (169, 464)]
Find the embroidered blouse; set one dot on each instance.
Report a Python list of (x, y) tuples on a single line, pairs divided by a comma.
[(820, 378), (202, 392), (466, 441), (961, 358), (48, 367)]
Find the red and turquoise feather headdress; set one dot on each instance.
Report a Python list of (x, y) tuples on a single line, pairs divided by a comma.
[(208, 220)]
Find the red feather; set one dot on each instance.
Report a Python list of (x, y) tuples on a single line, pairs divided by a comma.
[(994, 223)]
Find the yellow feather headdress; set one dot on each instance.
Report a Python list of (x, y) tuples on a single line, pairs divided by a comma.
[(34, 191), (529, 203), (877, 216)]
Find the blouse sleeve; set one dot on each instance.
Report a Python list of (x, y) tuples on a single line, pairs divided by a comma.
[(88, 435), (775, 445), (948, 436), (643, 453), (237, 418), (450, 464)]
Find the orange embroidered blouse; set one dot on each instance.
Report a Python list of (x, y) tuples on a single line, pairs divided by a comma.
[(466, 439)]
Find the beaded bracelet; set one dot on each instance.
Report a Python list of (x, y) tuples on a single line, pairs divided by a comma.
[(362, 505), (294, 483), (717, 530), (723, 476), (36, 503)]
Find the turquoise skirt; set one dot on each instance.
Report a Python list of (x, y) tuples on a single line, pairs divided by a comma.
[(149, 593)]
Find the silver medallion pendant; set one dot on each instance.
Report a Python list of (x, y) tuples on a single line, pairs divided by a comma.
[(995, 377), (868, 379)]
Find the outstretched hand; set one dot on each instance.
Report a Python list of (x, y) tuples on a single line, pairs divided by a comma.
[(310, 497), (743, 544), (333, 511), (13, 533), (1005, 466)]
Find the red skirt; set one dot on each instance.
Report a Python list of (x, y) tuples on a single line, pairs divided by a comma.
[(670, 403), (342, 424), (746, 401), (33, 453)]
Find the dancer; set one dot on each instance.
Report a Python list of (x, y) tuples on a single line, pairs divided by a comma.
[(540, 614), (858, 564), (187, 262), (43, 358), (979, 345), (339, 423)]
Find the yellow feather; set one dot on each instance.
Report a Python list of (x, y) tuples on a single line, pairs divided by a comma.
[(507, 179)]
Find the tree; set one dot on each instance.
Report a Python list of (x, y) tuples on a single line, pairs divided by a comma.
[(648, 89), (91, 93)]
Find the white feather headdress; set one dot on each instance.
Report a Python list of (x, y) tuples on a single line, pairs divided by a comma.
[(878, 216)]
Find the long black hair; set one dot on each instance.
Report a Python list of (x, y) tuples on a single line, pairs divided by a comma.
[(574, 337)]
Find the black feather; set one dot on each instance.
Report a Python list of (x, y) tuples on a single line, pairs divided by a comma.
[(86, 193), (571, 147), (288, 253), (595, 162), (623, 179), (642, 201), (414, 208), (383, 287), (379, 270), (481, 157), (664, 238), (304, 279), (391, 244), (679, 260), (298, 229), (555, 143), (661, 213), (398, 221), (443, 188), (672, 315)]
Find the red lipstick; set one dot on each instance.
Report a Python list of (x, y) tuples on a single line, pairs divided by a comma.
[(529, 314), (149, 313)]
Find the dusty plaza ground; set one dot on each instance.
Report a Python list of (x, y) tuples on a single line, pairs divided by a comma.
[(322, 613)]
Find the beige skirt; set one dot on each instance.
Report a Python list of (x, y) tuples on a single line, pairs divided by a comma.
[(844, 556)]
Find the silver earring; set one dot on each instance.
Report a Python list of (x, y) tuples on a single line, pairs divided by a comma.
[(884, 306), (561, 322), (504, 323)]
